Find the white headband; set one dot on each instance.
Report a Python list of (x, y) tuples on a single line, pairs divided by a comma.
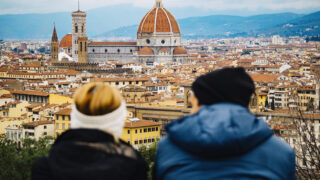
[(112, 122)]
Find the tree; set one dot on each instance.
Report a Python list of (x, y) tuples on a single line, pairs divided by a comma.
[(245, 53), (307, 147), (16, 162), (310, 106), (149, 156)]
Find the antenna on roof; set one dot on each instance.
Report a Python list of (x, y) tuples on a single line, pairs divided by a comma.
[(78, 5)]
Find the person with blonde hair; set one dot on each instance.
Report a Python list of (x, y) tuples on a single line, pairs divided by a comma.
[(92, 148)]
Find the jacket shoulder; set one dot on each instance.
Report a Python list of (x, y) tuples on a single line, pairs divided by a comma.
[(278, 155), (40, 169)]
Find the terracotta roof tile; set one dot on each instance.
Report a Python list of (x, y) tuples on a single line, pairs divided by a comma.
[(66, 111), (146, 51), (164, 22), (179, 51), (66, 41), (37, 123), (141, 123), (27, 92)]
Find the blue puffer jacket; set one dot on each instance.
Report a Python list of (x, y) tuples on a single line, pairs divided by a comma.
[(223, 141)]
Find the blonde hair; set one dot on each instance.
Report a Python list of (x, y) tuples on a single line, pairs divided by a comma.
[(95, 99)]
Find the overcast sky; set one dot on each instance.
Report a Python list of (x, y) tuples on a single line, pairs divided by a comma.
[(49, 6)]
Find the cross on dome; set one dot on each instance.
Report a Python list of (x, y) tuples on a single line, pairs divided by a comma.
[(158, 4)]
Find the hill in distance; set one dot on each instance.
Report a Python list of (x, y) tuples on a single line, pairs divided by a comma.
[(285, 24), (111, 22)]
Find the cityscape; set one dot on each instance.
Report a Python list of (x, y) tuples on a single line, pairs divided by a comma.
[(154, 73)]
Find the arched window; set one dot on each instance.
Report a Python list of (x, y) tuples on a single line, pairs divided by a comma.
[(106, 50), (80, 46), (148, 41), (76, 29), (92, 50), (82, 29), (118, 50), (163, 41), (131, 50)]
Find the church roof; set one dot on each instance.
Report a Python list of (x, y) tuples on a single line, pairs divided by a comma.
[(146, 51), (66, 41), (163, 49), (179, 51), (54, 35), (158, 19)]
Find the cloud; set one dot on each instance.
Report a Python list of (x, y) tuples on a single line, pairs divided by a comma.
[(49, 6)]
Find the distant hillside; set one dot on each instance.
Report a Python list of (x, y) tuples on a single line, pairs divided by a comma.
[(99, 20), (308, 25), (111, 22), (40, 26), (217, 25)]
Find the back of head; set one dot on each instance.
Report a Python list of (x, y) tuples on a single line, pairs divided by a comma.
[(224, 85), (99, 106), (95, 99)]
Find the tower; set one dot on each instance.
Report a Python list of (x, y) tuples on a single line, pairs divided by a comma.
[(54, 46), (82, 47), (79, 30)]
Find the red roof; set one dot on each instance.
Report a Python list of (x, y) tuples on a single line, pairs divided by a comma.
[(141, 123), (66, 41), (179, 51), (37, 123), (27, 92), (66, 111), (164, 22), (146, 51)]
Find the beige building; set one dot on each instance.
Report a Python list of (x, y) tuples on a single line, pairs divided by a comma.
[(7, 122), (38, 129)]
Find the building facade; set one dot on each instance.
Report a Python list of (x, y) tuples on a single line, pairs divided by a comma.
[(158, 41)]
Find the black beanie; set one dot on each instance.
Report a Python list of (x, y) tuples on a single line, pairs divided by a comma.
[(224, 85)]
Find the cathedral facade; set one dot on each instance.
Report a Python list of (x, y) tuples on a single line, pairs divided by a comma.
[(158, 40)]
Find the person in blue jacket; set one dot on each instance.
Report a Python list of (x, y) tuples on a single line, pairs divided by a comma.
[(222, 139)]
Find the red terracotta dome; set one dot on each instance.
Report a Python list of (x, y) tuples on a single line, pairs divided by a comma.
[(179, 51), (66, 41), (163, 49), (146, 51), (158, 19)]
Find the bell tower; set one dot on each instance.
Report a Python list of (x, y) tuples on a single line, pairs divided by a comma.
[(54, 46), (79, 30)]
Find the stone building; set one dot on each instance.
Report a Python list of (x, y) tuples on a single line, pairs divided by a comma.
[(158, 41)]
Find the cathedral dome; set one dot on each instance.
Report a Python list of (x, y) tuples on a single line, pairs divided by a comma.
[(66, 41), (179, 51), (146, 51), (158, 19)]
